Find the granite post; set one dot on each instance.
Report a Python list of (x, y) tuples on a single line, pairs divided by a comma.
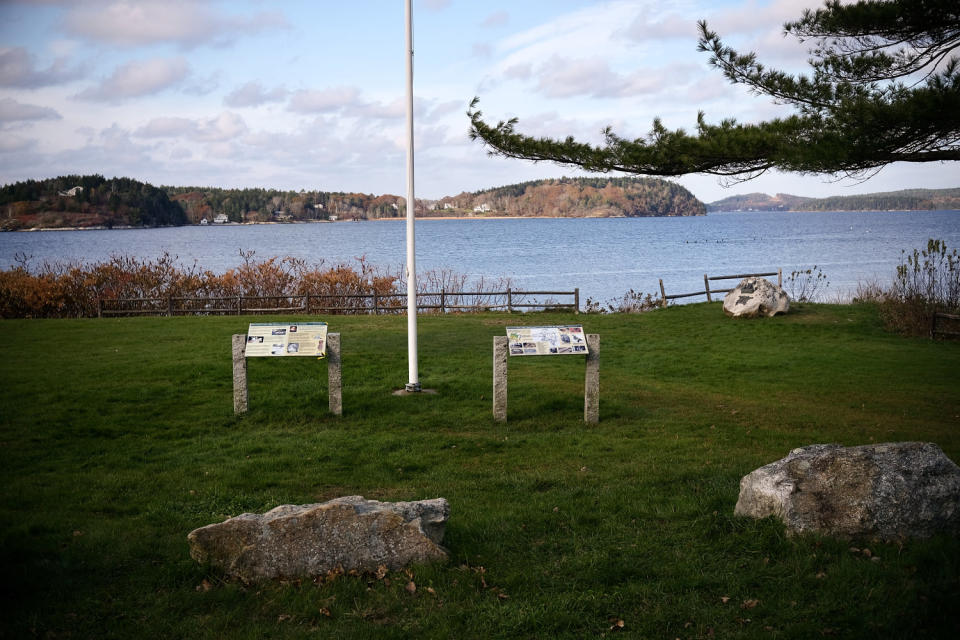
[(500, 378), (334, 374), (591, 389), (239, 373)]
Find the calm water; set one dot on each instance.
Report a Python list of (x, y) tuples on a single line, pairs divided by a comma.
[(604, 257)]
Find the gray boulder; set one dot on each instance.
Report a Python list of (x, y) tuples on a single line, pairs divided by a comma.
[(348, 533), (888, 491), (754, 298)]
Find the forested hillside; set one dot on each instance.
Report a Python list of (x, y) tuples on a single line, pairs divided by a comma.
[(83, 201), (905, 200), (579, 198)]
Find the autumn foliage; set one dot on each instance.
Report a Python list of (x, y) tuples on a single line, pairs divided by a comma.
[(62, 290)]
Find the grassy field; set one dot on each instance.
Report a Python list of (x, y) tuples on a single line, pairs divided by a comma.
[(118, 438)]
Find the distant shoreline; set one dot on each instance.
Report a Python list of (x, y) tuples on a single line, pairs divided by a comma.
[(465, 218)]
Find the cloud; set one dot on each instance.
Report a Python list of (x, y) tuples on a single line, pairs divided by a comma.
[(565, 77), (18, 69), (13, 111), (252, 94), (221, 129), (323, 101), (10, 144), (139, 78), (436, 5), (647, 26), (496, 19), (144, 22)]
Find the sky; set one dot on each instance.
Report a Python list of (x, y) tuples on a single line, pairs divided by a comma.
[(311, 94)]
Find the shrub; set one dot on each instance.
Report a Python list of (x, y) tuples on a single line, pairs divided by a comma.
[(806, 285), (927, 282)]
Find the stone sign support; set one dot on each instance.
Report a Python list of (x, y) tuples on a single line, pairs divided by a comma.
[(334, 378), (334, 374), (591, 385), (500, 378), (239, 373)]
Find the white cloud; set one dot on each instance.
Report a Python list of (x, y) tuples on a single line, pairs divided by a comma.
[(14, 111), (139, 78), (145, 22), (436, 5), (563, 78), (496, 19), (323, 101), (18, 69), (220, 129), (252, 94)]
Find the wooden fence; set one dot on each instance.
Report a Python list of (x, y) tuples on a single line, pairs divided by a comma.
[(708, 291), (363, 303), (944, 324)]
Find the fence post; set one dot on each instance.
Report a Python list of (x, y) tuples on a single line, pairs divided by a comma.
[(99, 307), (334, 374), (239, 373), (780, 277), (509, 300), (576, 300), (706, 285), (591, 385), (376, 303), (443, 300), (239, 304), (169, 306), (500, 378), (663, 295)]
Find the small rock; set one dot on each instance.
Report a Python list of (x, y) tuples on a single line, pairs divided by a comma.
[(755, 297), (344, 534), (888, 491)]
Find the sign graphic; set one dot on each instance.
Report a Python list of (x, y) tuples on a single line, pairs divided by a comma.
[(287, 339), (546, 341)]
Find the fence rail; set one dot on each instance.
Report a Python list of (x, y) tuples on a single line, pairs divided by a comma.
[(937, 322), (348, 303), (708, 291)]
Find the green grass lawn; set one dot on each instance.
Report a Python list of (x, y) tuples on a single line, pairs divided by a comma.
[(118, 438)]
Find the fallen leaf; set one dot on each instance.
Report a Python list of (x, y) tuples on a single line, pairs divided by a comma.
[(431, 591), (204, 586), (77, 534), (724, 599), (283, 617), (409, 573), (502, 596), (749, 604), (854, 550), (381, 572), (325, 612), (687, 625), (411, 587), (617, 624), (821, 575), (867, 552)]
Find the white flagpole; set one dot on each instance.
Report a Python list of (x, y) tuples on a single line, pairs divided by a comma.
[(414, 378)]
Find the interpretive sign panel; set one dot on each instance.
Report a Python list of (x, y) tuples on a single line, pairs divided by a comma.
[(546, 341), (287, 339)]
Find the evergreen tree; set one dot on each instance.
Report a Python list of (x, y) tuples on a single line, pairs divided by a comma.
[(883, 87)]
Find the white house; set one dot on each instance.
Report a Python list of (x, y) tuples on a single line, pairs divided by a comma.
[(70, 193), (221, 219), (482, 208)]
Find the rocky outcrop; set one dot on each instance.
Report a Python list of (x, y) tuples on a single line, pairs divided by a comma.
[(887, 491), (348, 533), (755, 297)]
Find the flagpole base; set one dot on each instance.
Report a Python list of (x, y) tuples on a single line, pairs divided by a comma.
[(412, 387)]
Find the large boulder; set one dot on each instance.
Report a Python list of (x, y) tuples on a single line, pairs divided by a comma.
[(349, 533), (887, 491), (755, 297)]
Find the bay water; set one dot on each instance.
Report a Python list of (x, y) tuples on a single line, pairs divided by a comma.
[(604, 257)]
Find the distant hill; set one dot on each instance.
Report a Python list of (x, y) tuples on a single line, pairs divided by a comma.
[(905, 200), (578, 198), (85, 201)]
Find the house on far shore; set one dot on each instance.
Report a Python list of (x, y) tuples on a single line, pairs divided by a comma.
[(221, 219), (204, 221), (482, 208), (70, 193)]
